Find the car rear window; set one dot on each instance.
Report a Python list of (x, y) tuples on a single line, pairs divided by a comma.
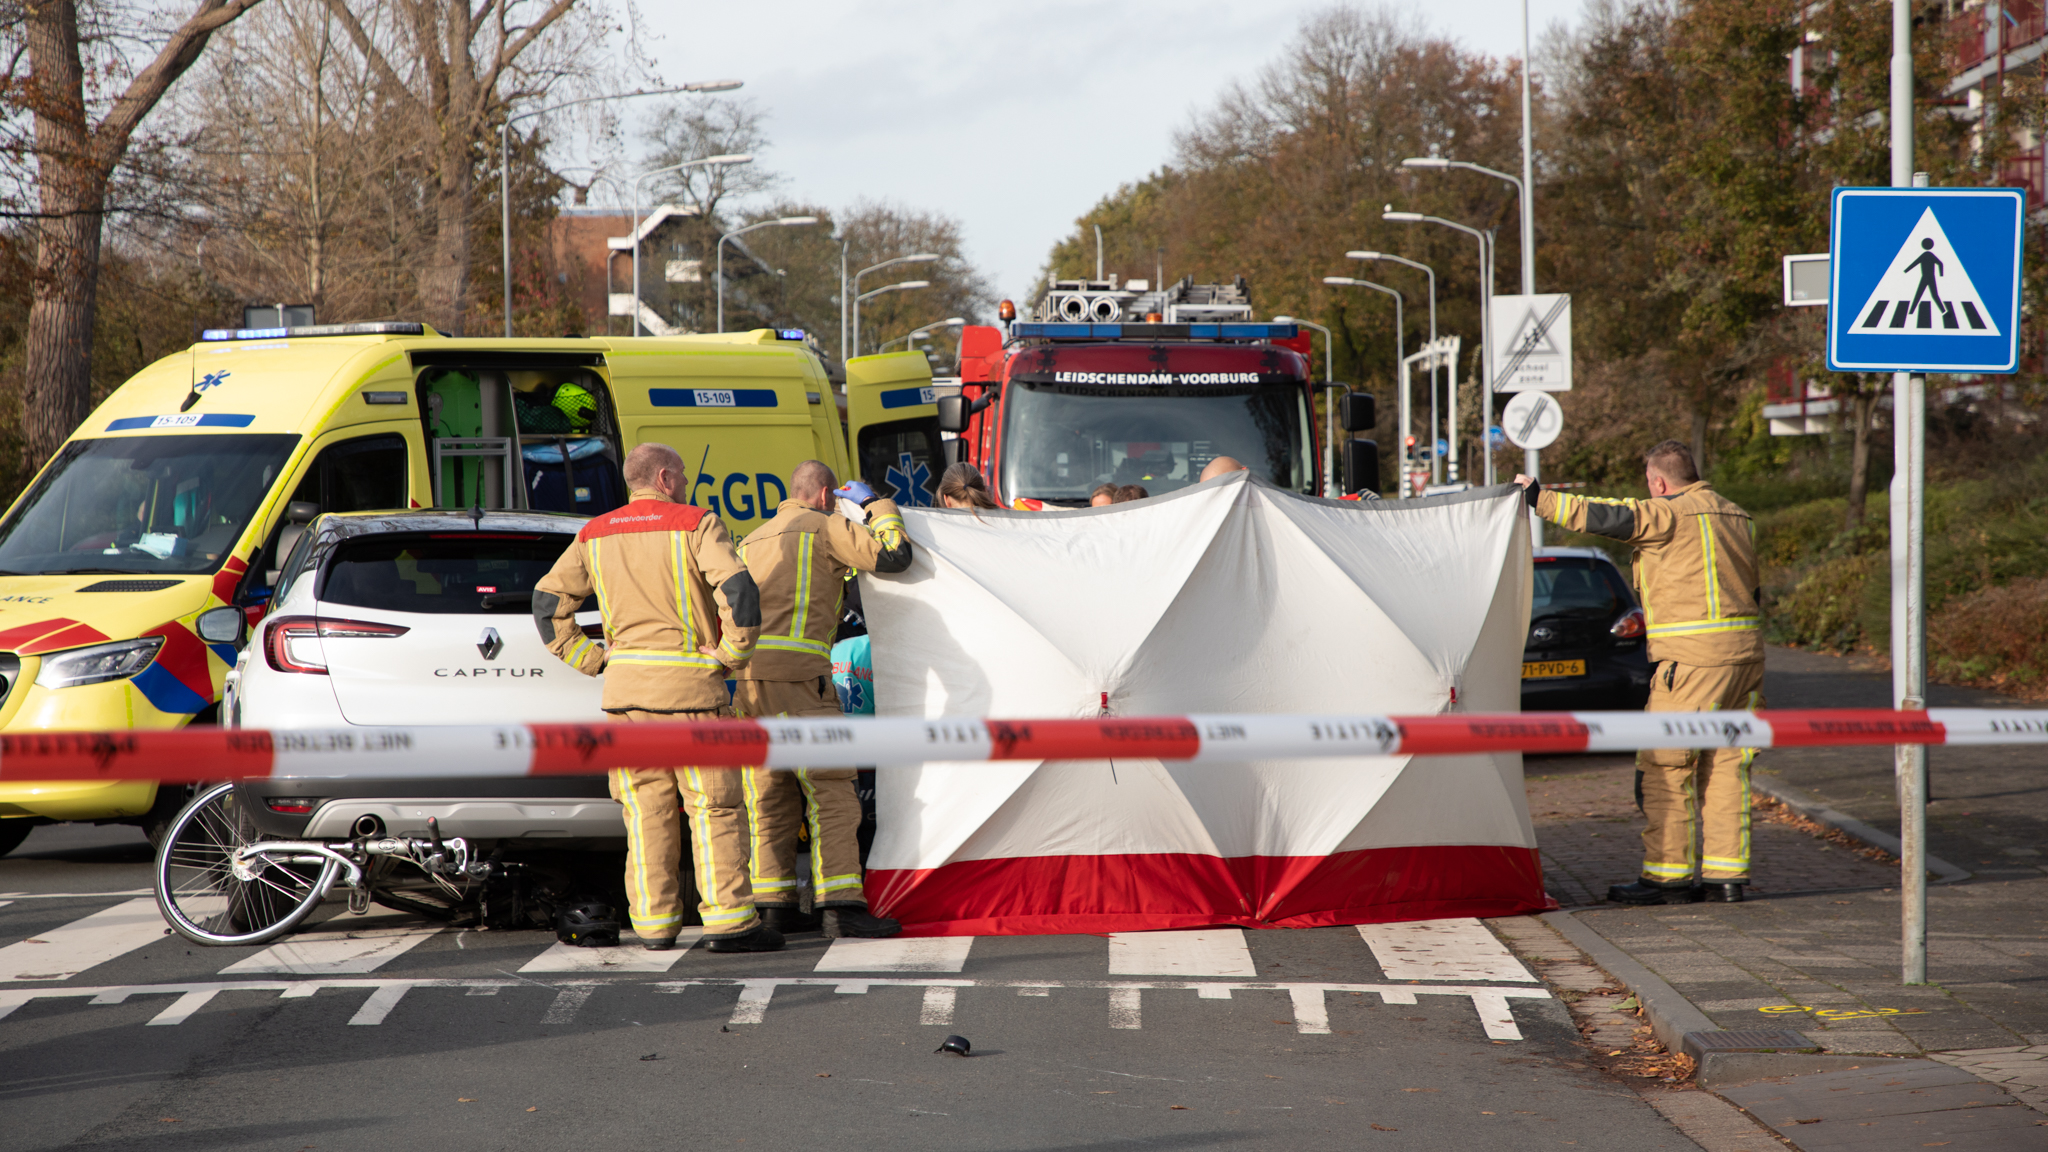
[(441, 572), (1577, 586)]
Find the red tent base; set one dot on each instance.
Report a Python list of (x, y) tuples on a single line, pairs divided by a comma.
[(1047, 895)]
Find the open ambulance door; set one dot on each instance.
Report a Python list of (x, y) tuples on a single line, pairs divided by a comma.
[(892, 426)]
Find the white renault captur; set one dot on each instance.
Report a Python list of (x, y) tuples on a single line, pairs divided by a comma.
[(417, 618)]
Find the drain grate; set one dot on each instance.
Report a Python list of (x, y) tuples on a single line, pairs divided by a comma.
[(1697, 1044)]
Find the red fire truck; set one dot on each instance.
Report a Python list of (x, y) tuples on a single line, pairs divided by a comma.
[(1124, 384)]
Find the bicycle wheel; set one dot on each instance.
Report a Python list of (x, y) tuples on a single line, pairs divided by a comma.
[(200, 895)]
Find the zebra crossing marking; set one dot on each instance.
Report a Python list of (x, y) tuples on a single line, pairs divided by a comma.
[(335, 951), (1202, 952), (1456, 949), (62, 953), (625, 958), (897, 954)]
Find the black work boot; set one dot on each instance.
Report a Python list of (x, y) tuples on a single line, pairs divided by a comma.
[(1644, 892), (1725, 891), (857, 921), (787, 920), (658, 943), (759, 938)]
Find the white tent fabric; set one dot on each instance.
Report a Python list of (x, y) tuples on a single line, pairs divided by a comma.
[(1229, 596)]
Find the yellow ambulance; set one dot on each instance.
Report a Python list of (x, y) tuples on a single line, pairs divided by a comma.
[(133, 564)]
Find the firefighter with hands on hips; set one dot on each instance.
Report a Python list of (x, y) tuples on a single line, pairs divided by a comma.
[(801, 560), (679, 609), (1696, 571)]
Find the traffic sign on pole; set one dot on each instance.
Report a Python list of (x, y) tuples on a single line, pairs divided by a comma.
[(1533, 343), (1532, 420), (1925, 279)]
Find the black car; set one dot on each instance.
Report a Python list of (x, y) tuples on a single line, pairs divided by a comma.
[(1586, 649)]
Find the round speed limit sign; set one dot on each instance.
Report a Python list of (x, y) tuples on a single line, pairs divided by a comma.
[(1532, 420)]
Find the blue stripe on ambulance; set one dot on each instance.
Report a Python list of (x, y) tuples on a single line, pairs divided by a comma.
[(207, 420), (907, 397), (711, 397)]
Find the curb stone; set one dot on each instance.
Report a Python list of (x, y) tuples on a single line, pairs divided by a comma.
[(1670, 1014), (1848, 825)]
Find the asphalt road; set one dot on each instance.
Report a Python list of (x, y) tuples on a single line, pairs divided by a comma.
[(381, 1032)]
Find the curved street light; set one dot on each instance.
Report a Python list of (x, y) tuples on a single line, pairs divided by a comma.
[(1485, 325), (1435, 470), (853, 299), (708, 161), (914, 333), (505, 165), (779, 222), (1400, 345)]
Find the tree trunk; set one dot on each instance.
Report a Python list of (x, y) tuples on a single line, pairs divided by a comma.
[(444, 281), (1861, 406), (72, 187), (1699, 441)]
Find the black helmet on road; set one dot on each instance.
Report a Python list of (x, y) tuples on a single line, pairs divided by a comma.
[(588, 925)]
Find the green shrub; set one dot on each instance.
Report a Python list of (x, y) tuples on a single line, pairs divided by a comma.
[(1828, 607), (1994, 638)]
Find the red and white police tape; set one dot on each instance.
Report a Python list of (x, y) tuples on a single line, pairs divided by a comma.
[(199, 754)]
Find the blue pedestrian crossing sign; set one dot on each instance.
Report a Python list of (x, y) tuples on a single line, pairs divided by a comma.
[(1925, 280)]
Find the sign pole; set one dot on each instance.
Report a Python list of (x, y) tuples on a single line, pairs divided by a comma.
[(1908, 555), (1532, 459)]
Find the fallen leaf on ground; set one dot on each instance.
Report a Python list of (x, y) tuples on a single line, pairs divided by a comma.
[(1176, 1108), (826, 1075), (535, 1108), (1383, 1128), (465, 1099)]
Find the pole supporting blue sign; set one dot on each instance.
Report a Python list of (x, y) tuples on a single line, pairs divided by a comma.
[(1925, 279)]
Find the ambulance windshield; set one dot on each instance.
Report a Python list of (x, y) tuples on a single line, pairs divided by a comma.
[(171, 504), (1061, 440)]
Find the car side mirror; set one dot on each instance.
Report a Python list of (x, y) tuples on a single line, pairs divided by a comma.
[(1357, 412), (952, 414), (1361, 465), (303, 511), (223, 625), (955, 452)]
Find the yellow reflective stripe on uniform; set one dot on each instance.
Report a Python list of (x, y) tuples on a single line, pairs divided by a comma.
[(664, 659), (1666, 870), (792, 644), (681, 573), (1704, 627), (591, 554), (887, 529), (1708, 566), (806, 550), (579, 647)]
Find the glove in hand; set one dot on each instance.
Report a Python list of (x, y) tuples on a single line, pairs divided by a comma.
[(856, 491)]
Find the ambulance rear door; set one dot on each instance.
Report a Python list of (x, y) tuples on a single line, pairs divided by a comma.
[(893, 426)]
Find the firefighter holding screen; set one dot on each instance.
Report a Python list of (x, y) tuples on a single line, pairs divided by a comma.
[(679, 610), (801, 560), (1696, 571)]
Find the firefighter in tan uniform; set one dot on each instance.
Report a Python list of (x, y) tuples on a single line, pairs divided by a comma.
[(801, 560), (1696, 571), (679, 610)]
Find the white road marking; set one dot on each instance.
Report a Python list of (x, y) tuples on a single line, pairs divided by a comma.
[(567, 1003), (1202, 952), (1459, 949), (77, 895), (1124, 1011), (624, 958), (62, 953), (184, 1006), (1312, 1012), (333, 953), (380, 1004), (753, 1003), (897, 954), (1495, 1017), (938, 1005)]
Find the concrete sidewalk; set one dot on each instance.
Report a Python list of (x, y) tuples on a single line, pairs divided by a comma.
[(1816, 948)]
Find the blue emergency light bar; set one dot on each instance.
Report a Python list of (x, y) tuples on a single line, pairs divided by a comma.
[(1039, 331), (380, 328), (789, 334)]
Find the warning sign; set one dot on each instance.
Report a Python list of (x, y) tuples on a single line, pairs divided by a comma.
[(1532, 343), (1927, 289), (1925, 279)]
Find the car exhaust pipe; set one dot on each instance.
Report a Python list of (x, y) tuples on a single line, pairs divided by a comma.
[(368, 827)]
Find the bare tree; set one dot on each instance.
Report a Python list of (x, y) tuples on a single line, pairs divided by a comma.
[(453, 70), (710, 126), (78, 142)]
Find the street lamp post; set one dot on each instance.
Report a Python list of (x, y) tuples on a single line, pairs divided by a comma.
[(778, 222), (914, 333), (505, 164), (900, 286), (856, 297), (710, 161), (1531, 458), (1400, 344), (1485, 328), (1330, 405), (1436, 470)]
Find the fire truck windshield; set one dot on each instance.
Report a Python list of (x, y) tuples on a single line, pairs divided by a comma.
[(1061, 441)]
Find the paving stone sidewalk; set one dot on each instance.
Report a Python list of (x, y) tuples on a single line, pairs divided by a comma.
[(1816, 948)]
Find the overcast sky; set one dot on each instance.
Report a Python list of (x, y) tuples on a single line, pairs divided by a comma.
[(1013, 118)]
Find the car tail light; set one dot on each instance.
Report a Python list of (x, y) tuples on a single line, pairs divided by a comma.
[(289, 643), (290, 805), (1631, 625)]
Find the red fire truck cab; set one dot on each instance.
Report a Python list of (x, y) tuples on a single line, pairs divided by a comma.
[(1081, 396)]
